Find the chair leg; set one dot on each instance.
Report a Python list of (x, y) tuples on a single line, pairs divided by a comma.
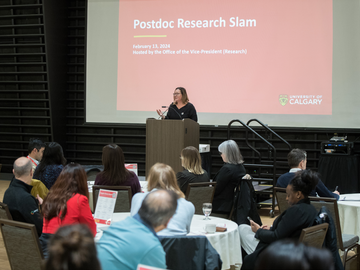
[(346, 251), (358, 258), (344, 257)]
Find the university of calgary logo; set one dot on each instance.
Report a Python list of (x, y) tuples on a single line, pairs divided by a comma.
[(283, 99)]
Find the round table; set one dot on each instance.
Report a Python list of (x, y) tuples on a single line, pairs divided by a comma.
[(349, 213), (227, 244)]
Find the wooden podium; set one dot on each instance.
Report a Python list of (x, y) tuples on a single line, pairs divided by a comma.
[(166, 138)]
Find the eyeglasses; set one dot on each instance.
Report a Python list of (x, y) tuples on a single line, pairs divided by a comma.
[(220, 153), (175, 94)]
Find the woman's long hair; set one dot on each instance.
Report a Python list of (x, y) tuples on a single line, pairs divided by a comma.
[(114, 165), (53, 155), (191, 160), (72, 247), (162, 176), (71, 180)]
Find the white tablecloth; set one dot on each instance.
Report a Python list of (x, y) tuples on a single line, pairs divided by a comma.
[(349, 213), (227, 244)]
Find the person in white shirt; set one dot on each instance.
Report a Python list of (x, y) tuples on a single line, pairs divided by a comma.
[(35, 149)]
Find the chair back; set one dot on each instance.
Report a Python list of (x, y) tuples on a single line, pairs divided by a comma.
[(123, 200), (91, 174), (4, 211), (331, 205), (199, 193), (314, 236), (190, 252), (280, 194), (22, 245)]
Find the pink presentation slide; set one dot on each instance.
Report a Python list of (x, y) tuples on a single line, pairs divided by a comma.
[(245, 56)]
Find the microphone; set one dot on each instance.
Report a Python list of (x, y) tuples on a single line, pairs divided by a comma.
[(163, 107), (173, 110)]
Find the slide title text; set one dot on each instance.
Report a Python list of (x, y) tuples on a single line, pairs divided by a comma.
[(181, 23)]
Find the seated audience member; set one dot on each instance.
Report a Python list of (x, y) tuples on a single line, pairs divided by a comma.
[(289, 224), (287, 254), (133, 241), (39, 189), (72, 247), (22, 205), (115, 173), (193, 172), (162, 176), (35, 149), (67, 203), (228, 177), (51, 165), (297, 162)]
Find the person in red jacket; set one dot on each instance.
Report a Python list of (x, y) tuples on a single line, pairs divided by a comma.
[(67, 203)]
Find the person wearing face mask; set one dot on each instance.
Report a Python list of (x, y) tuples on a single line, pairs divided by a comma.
[(180, 108)]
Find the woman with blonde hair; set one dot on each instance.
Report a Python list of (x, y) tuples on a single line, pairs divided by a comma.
[(162, 176), (193, 172)]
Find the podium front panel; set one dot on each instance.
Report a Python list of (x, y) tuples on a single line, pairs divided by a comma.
[(166, 138)]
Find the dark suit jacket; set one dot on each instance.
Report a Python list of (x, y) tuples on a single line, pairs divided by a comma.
[(288, 225), (320, 189), (226, 180)]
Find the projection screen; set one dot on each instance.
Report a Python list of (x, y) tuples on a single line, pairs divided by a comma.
[(286, 63)]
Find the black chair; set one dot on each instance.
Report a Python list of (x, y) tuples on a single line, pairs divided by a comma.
[(92, 173), (22, 245), (190, 252), (123, 200)]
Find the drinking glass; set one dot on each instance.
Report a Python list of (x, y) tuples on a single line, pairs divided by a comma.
[(207, 207)]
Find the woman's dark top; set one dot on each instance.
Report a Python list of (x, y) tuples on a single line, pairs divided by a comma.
[(48, 175), (288, 225), (187, 111), (185, 177), (226, 180), (132, 181)]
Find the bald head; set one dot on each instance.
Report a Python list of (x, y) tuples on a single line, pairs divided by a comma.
[(158, 207), (22, 168)]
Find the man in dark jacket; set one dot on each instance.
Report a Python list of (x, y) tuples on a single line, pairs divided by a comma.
[(297, 162), (22, 205)]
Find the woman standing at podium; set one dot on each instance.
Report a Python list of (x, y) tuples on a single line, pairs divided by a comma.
[(181, 107)]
